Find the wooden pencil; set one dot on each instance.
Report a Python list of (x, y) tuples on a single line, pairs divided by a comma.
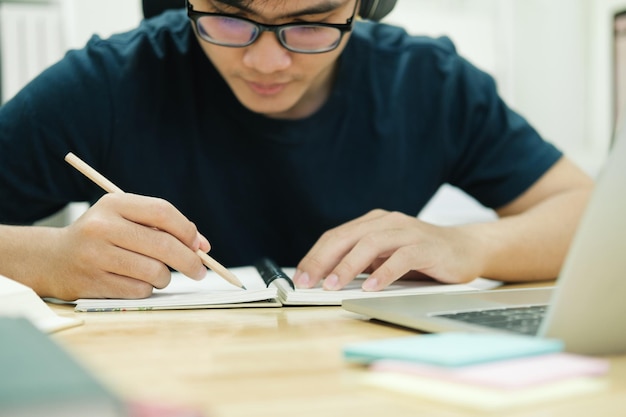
[(109, 187)]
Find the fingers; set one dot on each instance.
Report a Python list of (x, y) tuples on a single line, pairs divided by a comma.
[(108, 285), (204, 244), (160, 214), (122, 262), (388, 245), (158, 230), (140, 237), (399, 264), (83, 267), (371, 247), (336, 244), (147, 242)]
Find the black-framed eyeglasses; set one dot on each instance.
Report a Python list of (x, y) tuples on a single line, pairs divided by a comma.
[(234, 31)]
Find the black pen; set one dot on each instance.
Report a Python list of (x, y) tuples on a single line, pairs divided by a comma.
[(270, 272)]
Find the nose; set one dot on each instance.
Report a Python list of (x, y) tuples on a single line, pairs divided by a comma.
[(267, 55)]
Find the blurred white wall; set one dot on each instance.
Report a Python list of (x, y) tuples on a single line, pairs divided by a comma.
[(548, 69), (599, 80), (471, 24), (30, 40), (83, 18), (551, 59), (36, 33)]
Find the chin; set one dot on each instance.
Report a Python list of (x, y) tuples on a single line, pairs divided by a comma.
[(268, 106), (280, 104)]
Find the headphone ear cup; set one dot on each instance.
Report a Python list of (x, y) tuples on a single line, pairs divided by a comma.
[(376, 9)]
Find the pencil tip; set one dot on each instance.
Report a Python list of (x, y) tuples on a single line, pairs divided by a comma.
[(243, 287)]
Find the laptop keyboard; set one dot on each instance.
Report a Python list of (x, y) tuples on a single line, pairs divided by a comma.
[(523, 320)]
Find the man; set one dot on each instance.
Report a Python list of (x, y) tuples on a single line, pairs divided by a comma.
[(281, 129)]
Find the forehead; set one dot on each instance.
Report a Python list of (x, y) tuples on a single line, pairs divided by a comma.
[(279, 8)]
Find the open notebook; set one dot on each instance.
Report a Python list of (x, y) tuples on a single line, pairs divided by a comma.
[(267, 286)]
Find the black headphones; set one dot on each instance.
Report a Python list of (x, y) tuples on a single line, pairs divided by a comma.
[(375, 9)]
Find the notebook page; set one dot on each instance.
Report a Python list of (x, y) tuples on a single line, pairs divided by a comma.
[(185, 293), (319, 296)]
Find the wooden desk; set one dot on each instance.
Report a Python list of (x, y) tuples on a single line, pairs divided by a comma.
[(279, 362)]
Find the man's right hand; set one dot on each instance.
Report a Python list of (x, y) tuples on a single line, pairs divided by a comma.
[(119, 248)]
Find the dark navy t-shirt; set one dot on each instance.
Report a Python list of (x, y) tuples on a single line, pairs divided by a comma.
[(150, 112)]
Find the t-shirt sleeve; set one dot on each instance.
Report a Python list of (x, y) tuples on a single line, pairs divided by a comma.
[(61, 110), (498, 154)]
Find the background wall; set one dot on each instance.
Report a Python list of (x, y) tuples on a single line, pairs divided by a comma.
[(599, 57), (86, 17), (550, 59)]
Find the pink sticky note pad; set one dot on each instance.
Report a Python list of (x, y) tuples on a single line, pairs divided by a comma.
[(506, 374)]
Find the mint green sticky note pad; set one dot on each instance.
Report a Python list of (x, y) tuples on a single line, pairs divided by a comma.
[(451, 349)]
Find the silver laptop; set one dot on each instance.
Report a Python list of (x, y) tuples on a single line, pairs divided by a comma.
[(587, 307)]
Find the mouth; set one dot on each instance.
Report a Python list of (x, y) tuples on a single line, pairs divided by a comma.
[(266, 89)]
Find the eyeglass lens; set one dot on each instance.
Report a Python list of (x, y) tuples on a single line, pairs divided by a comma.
[(232, 31)]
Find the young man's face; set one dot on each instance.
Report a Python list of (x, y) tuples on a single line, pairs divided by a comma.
[(266, 77)]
